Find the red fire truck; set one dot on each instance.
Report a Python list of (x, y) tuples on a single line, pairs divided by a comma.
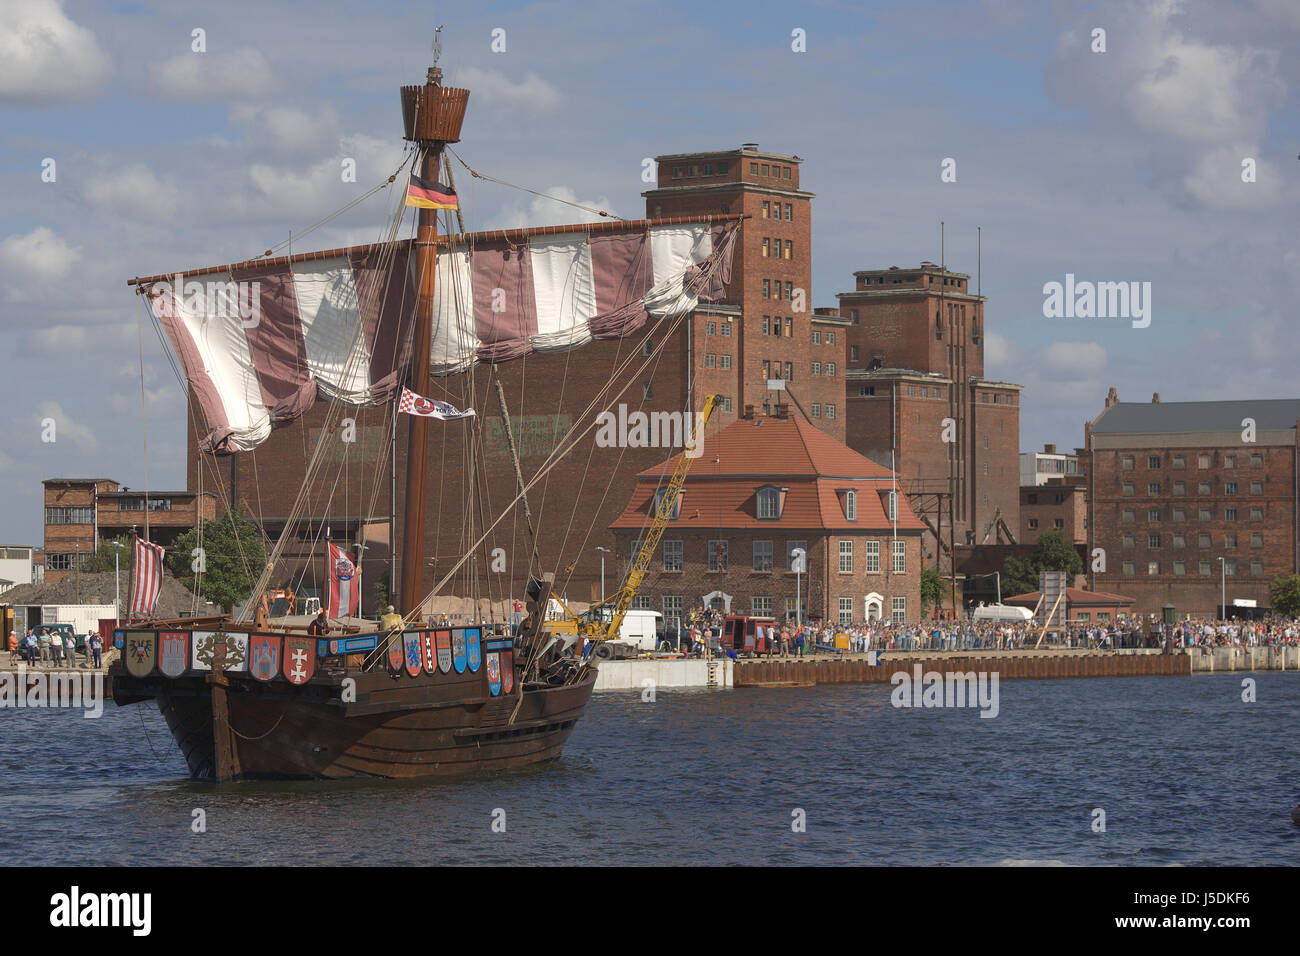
[(750, 635)]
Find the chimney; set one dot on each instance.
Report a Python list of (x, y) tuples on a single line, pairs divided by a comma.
[(782, 411), (1155, 398), (1112, 397), (749, 413), (1049, 449)]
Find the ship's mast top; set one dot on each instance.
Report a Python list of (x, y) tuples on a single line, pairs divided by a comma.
[(435, 74)]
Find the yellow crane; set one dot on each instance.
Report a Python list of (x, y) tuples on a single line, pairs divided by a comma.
[(595, 626)]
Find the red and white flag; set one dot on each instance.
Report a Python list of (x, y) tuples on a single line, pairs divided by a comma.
[(414, 404), (146, 580), (345, 586)]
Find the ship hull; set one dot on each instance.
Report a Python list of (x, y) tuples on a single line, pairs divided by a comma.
[(397, 729)]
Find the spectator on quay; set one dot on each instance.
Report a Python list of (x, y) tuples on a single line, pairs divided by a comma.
[(56, 648), (13, 648), (70, 648), (96, 647), (32, 646)]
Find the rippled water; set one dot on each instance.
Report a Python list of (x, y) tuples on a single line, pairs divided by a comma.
[(1185, 771)]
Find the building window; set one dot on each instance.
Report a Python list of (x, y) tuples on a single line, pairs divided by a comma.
[(853, 316), (830, 338), (789, 371), (1126, 463), (1256, 461), (73, 515), (717, 555), (1256, 540), (873, 556), (846, 610), (753, 169), (1229, 514), (710, 360), (769, 502), (726, 329), (722, 169), (767, 288), (1179, 514), (1180, 541), (658, 500), (1180, 567), (672, 610), (1203, 540), (762, 555), (1180, 461), (766, 244), (1256, 514), (816, 410), (706, 169), (767, 210), (789, 212), (726, 403), (789, 249), (1128, 540), (711, 328), (1153, 489), (1127, 490), (1153, 461), (1230, 567), (830, 368), (1257, 487), (1128, 569), (1153, 514), (1153, 568), (766, 170), (1180, 489), (761, 606), (724, 361), (1203, 567), (1033, 524), (1202, 461), (851, 506), (1153, 541), (767, 324), (1127, 515), (1229, 487), (672, 555), (1229, 461), (1230, 540), (1058, 523), (1203, 488), (900, 557), (816, 337), (1256, 566), (789, 294), (677, 172), (816, 368), (59, 562), (891, 506), (846, 557), (898, 610)]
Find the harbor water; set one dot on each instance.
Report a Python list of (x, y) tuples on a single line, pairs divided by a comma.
[(1185, 771)]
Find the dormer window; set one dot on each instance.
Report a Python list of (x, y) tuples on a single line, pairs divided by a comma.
[(677, 503), (891, 505), (851, 506), (769, 502)]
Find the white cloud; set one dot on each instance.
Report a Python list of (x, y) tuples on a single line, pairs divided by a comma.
[(203, 76), (65, 427), (1074, 358), (46, 57), (997, 351), (65, 338), (286, 130), (37, 256), (134, 191), (312, 192), (1216, 179), (547, 212), (495, 89)]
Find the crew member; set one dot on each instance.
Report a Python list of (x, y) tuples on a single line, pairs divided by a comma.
[(319, 626)]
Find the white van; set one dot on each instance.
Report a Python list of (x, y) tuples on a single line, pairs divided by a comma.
[(1002, 612)]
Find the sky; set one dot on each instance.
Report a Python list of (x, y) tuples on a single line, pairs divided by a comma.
[(124, 151)]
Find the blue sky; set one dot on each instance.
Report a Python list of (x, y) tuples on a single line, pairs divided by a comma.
[(1122, 165)]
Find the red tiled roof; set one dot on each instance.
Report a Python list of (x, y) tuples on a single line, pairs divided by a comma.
[(1074, 596), (722, 487)]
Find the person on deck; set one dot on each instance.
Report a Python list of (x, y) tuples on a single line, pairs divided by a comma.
[(319, 626), (390, 620)]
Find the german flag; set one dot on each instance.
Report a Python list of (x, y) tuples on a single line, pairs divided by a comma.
[(424, 194)]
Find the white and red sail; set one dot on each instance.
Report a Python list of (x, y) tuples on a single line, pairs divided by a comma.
[(259, 343), (146, 578), (345, 584)]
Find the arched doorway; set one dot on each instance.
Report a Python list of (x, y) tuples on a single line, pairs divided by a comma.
[(873, 606), (718, 601)]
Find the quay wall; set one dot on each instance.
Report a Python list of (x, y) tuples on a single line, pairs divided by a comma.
[(631, 675)]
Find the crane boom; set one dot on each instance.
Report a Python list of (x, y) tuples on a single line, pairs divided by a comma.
[(663, 514)]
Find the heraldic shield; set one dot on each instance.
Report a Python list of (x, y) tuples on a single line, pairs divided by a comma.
[(458, 659), (264, 656), (442, 640), (173, 652), (299, 659), (395, 653), (426, 651), (140, 653), (411, 643), (228, 650), (473, 649), (494, 673), (507, 671)]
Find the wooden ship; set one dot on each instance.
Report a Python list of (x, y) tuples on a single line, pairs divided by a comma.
[(244, 700)]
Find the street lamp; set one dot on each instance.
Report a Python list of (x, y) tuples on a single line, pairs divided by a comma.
[(603, 551), (797, 558), (117, 582), (1223, 590)]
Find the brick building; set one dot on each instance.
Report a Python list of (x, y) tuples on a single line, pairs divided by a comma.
[(774, 336), (82, 512), (1178, 487), (1053, 495), (763, 487), (915, 342)]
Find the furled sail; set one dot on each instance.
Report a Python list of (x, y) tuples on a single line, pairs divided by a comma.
[(259, 343)]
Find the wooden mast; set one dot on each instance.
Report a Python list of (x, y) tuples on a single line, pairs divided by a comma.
[(432, 116)]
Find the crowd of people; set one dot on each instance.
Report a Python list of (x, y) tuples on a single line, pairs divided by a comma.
[(703, 627), (52, 647)]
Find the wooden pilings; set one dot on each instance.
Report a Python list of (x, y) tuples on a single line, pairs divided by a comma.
[(1030, 666)]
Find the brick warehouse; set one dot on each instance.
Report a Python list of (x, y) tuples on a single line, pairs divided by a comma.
[(764, 486), (1175, 486), (915, 342)]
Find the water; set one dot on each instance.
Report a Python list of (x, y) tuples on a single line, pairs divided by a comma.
[(1186, 772)]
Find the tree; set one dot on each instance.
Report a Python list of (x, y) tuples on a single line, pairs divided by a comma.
[(1285, 593), (932, 588), (1054, 553), (103, 558), (231, 561)]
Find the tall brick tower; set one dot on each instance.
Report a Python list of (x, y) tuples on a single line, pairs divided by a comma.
[(916, 360), (765, 329)]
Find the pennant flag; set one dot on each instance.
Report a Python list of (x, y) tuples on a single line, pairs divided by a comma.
[(146, 579), (345, 590), (428, 194), (414, 404)]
